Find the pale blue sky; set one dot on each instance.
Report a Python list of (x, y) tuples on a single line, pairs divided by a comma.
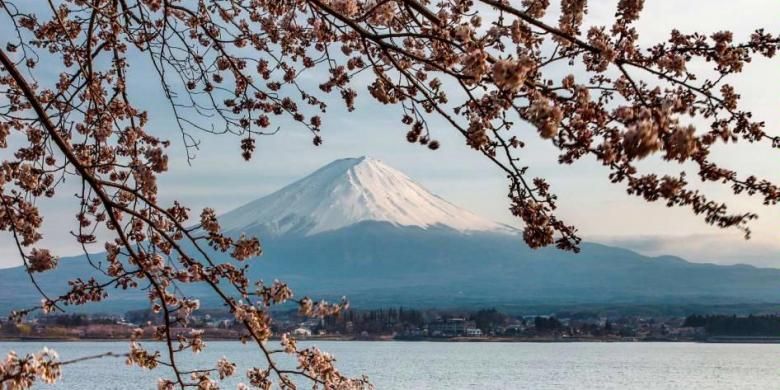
[(220, 178)]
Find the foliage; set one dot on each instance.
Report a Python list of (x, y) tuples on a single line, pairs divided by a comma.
[(723, 325), (488, 319), (547, 323)]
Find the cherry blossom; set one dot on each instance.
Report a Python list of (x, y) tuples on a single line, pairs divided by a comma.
[(488, 69)]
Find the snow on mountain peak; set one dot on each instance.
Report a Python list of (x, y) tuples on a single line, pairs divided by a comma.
[(349, 191)]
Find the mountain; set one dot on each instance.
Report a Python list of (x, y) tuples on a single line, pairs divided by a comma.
[(349, 191), (360, 228)]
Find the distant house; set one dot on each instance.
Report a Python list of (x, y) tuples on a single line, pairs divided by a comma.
[(312, 323), (301, 332), (688, 332), (473, 332), (512, 329), (451, 327)]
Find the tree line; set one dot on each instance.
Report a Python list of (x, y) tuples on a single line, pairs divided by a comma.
[(725, 325)]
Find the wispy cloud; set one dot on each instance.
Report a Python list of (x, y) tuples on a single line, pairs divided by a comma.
[(707, 248)]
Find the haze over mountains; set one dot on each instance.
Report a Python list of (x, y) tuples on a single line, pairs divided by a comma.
[(360, 228)]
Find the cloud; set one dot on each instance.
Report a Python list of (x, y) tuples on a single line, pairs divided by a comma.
[(704, 248)]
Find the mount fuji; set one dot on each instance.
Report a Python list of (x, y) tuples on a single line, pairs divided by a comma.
[(349, 191), (360, 228)]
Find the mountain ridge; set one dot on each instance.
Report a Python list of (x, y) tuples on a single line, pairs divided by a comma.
[(419, 262), (443, 268)]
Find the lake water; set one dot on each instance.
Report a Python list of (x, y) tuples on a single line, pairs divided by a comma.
[(443, 365)]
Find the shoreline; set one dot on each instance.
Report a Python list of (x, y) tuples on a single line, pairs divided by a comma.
[(540, 340)]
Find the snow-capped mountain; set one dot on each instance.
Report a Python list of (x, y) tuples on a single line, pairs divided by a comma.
[(359, 228), (349, 191)]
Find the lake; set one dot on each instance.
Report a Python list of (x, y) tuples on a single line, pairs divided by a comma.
[(447, 365)]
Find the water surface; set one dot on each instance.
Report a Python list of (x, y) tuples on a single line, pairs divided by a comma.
[(443, 365)]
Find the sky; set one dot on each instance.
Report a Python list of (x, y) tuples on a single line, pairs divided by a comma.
[(602, 212)]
